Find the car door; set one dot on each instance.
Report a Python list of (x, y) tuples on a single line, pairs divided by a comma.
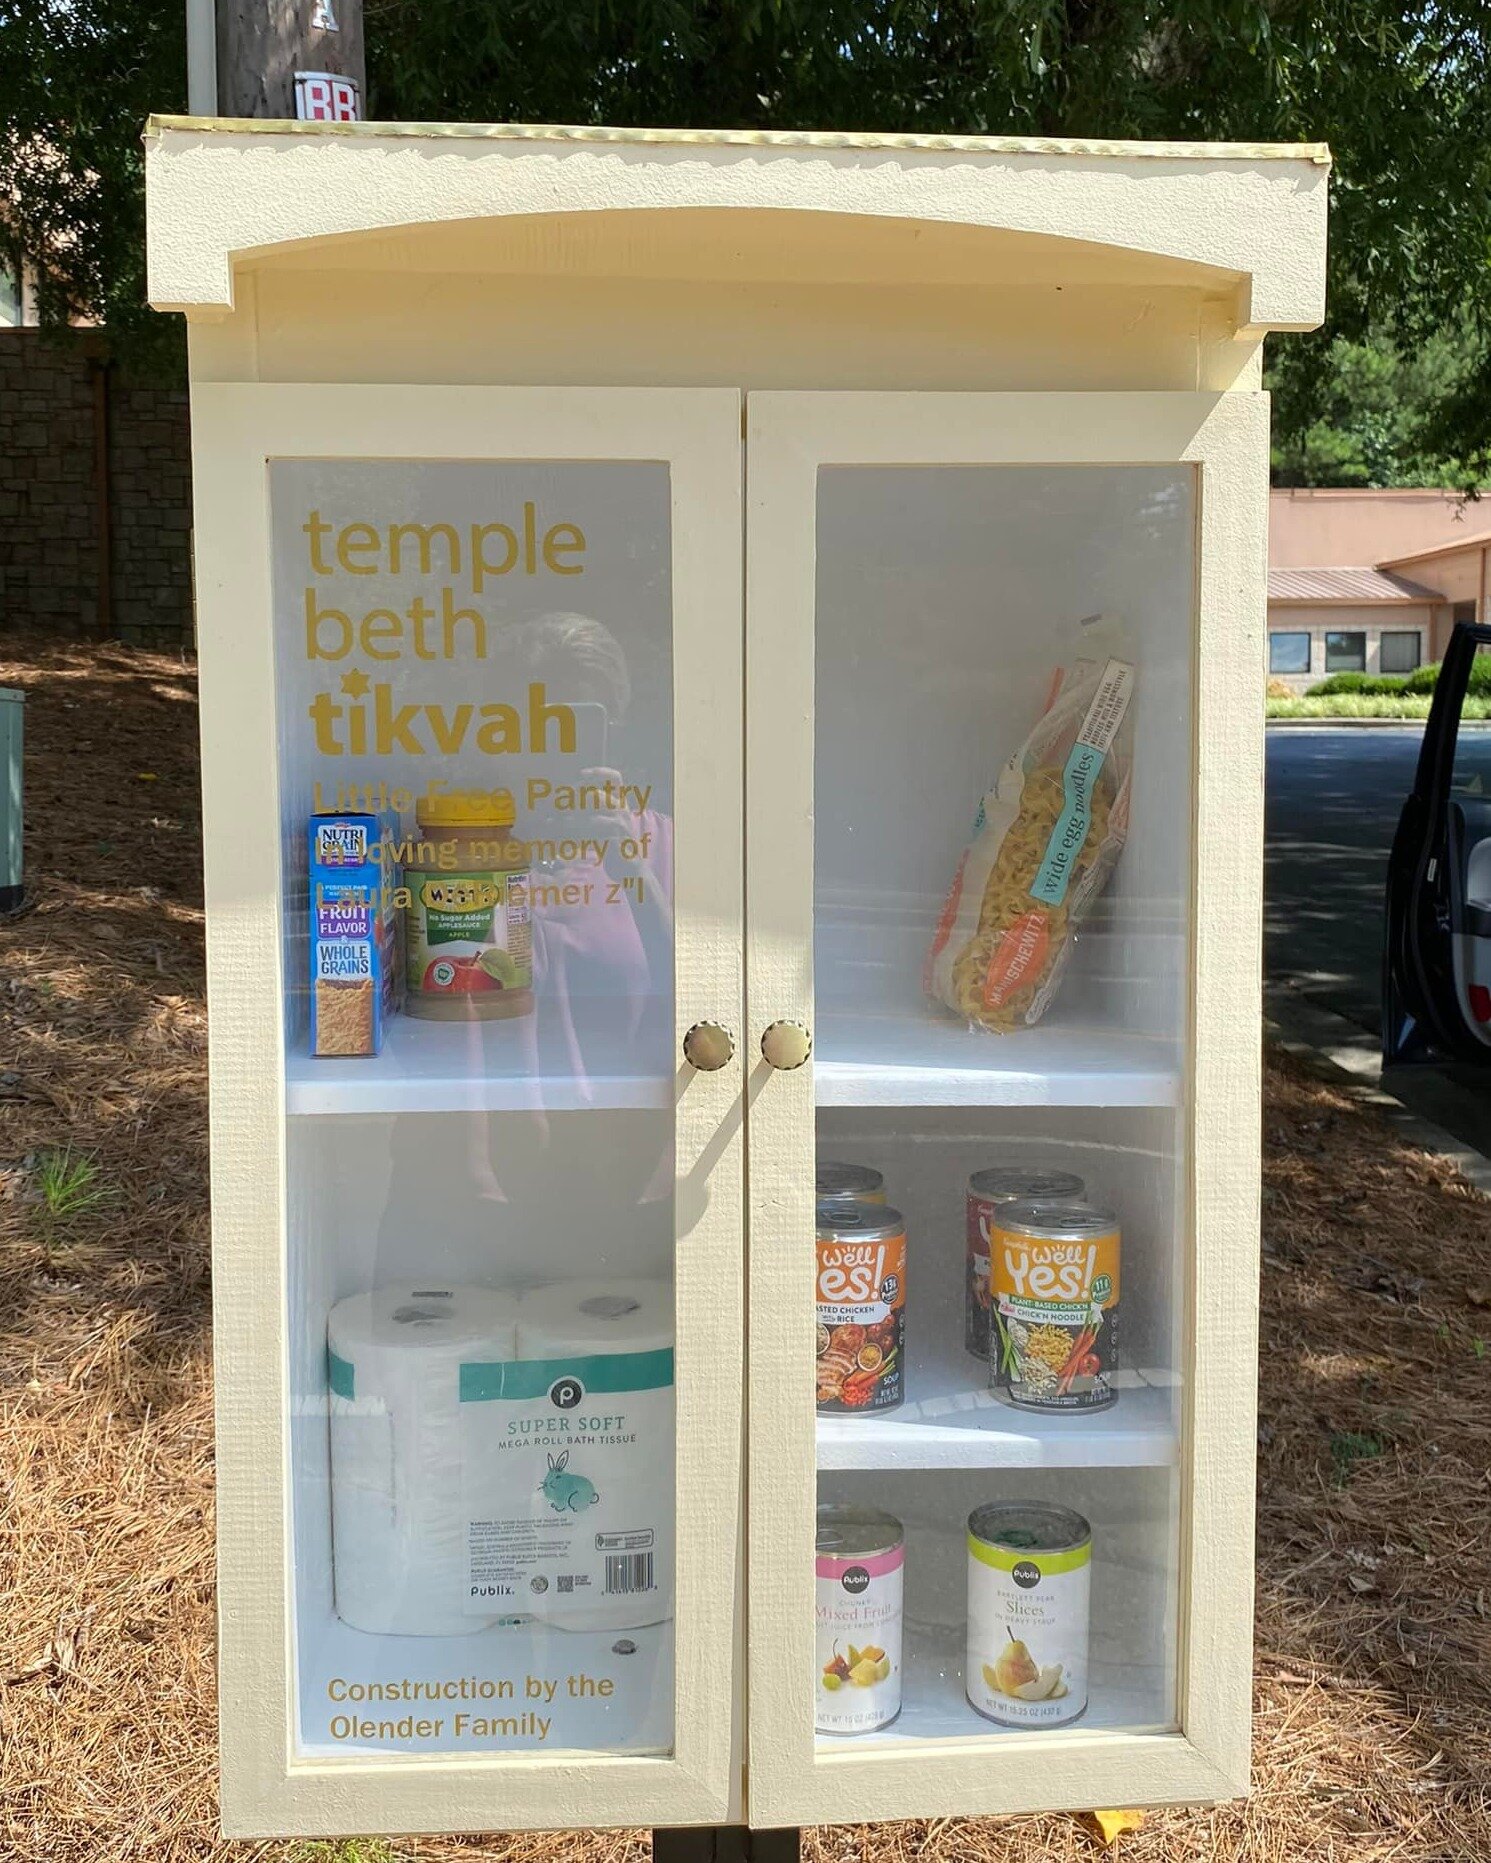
[(1437, 961)]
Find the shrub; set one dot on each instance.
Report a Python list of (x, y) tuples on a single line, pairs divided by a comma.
[(1365, 705), (1480, 676), (1376, 685)]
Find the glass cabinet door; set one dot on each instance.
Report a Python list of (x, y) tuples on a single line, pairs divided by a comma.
[(977, 1197), (502, 667)]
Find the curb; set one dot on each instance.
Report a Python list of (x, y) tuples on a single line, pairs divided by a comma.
[(1345, 724), (1345, 1054)]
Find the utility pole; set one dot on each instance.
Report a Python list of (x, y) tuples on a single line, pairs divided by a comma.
[(285, 58)]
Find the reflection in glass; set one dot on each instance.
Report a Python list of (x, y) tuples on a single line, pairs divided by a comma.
[(1003, 755), (475, 788)]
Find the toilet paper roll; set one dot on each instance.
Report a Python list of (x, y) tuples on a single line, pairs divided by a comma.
[(581, 1317), (581, 1467), (399, 1521)]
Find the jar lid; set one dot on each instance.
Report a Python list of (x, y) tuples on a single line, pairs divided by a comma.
[(467, 808)]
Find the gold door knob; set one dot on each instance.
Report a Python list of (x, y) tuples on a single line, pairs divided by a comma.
[(786, 1045), (708, 1046)]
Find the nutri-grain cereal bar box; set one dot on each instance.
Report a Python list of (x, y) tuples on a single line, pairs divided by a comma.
[(355, 970)]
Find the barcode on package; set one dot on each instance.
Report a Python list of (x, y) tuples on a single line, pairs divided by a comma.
[(627, 1573), (1109, 703)]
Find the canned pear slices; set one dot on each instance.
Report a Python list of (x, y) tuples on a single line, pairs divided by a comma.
[(857, 1602), (1029, 1567)]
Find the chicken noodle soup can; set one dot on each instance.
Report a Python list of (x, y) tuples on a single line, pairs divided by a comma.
[(861, 1555), (1054, 1274), (856, 1181), (861, 1307), (987, 1190), (1029, 1567)]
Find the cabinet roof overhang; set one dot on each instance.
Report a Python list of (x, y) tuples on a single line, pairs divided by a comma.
[(1244, 217)]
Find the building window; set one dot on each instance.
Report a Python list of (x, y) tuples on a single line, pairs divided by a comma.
[(1401, 649), (1463, 611), (1289, 653), (1346, 653), (10, 295)]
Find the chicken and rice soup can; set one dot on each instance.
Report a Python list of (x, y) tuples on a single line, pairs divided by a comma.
[(1054, 1277), (861, 1555), (987, 1190), (861, 1307), (858, 1181), (1029, 1567)]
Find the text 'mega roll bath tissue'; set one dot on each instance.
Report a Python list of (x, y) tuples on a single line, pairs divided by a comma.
[(569, 1460)]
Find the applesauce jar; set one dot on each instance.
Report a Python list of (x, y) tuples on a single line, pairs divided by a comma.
[(468, 939)]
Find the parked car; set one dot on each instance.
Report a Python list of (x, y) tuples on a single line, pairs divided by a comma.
[(1436, 987)]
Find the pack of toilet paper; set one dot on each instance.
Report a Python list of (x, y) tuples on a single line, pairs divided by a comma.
[(496, 1459)]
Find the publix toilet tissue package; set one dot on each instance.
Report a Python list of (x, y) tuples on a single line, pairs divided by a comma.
[(569, 1460), (399, 1529), (495, 1459)]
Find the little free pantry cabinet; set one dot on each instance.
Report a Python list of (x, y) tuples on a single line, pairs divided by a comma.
[(709, 514)]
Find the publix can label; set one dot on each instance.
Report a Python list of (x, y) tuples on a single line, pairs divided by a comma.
[(1029, 1571), (860, 1562), (469, 933), (568, 1471)]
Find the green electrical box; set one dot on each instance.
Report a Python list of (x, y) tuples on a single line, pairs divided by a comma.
[(12, 814)]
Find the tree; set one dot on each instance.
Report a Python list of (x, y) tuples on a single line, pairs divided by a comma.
[(77, 82), (1380, 404), (1399, 90)]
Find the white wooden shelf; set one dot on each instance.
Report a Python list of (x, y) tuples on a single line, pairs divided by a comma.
[(435, 1067), (920, 1058), (860, 1060), (1130, 1697), (949, 1420)]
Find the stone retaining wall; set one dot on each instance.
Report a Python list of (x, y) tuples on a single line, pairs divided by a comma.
[(63, 567)]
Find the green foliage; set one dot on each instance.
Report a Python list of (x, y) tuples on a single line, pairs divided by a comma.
[(1373, 414), (76, 85), (347, 1850), (1348, 1447), (1379, 684), (67, 1187), (1369, 705), (1424, 678), (1398, 87)]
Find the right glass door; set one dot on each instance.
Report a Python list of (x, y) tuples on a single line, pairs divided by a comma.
[(983, 1175)]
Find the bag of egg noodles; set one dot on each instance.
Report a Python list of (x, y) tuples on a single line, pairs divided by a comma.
[(1045, 841)]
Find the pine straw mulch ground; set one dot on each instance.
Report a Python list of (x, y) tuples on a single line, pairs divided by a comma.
[(1373, 1722)]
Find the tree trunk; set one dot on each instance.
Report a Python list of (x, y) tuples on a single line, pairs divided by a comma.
[(260, 47)]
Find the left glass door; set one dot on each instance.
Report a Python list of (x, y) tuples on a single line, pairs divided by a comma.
[(491, 830)]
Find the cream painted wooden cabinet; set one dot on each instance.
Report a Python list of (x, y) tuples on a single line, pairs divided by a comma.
[(632, 569)]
